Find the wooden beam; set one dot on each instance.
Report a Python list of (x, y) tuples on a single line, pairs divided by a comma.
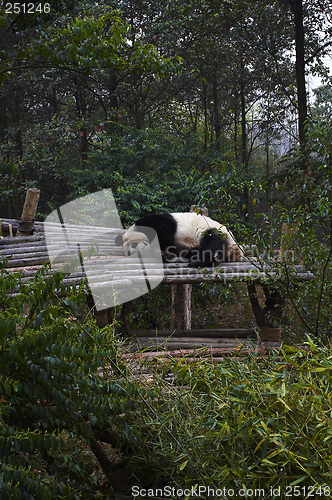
[(217, 333)]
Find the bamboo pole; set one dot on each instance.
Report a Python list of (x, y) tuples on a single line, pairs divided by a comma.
[(198, 333)]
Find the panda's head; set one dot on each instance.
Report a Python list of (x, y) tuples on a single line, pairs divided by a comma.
[(135, 240)]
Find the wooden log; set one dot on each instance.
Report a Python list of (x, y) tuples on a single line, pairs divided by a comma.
[(102, 232), (201, 341), (213, 333), (28, 248), (21, 240), (170, 345), (29, 211), (117, 264), (205, 353), (181, 307), (229, 278), (27, 255), (54, 227), (181, 296), (25, 263), (125, 312)]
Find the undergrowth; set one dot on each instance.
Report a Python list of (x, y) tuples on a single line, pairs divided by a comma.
[(57, 379), (247, 423)]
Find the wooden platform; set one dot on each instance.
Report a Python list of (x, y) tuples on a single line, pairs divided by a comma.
[(110, 272)]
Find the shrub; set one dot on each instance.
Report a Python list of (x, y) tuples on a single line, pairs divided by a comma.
[(58, 379), (247, 423)]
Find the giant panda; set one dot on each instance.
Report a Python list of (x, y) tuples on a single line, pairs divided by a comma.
[(203, 241)]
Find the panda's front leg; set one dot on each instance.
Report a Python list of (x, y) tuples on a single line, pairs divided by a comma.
[(199, 257), (171, 252), (194, 257)]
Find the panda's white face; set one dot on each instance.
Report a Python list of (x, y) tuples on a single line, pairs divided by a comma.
[(134, 241)]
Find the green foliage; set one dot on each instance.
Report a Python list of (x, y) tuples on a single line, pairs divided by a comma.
[(58, 377), (84, 42), (247, 422)]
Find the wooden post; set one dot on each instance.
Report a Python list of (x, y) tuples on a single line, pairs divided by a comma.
[(181, 307), (196, 208), (124, 318), (181, 295), (29, 210), (270, 313), (104, 317)]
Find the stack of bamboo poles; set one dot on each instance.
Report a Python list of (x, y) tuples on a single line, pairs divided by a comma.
[(31, 250), (110, 263), (190, 339)]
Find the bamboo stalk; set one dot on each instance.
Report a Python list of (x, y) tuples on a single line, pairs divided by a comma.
[(136, 274), (179, 345), (23, 248), (21, 239)]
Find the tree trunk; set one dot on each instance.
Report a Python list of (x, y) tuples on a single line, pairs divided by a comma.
[(244, 152), (297, 9), (236, 117), (217, 125), (205, 116), (301, 88)]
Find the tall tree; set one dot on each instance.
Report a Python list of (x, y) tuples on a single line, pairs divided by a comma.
[(311, 25), (297, 9)]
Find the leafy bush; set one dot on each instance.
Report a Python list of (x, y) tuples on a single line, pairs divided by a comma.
[(58, 379), (247, 423)]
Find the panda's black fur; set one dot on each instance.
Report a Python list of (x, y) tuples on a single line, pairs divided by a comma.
[(165, 226), (212, 250), (203, 241)]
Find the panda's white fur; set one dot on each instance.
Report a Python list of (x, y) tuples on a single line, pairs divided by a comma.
[(190, 227), (184, 231), (131, 237)]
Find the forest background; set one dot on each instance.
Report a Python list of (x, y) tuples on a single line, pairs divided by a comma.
[(169, 104)]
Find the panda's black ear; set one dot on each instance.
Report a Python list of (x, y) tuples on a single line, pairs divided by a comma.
[(118, 240)]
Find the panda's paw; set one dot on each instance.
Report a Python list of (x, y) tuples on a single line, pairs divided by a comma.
[(195, 264)]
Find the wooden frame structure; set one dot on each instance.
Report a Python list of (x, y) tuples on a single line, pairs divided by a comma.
[(23, 245), (28, 252)]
